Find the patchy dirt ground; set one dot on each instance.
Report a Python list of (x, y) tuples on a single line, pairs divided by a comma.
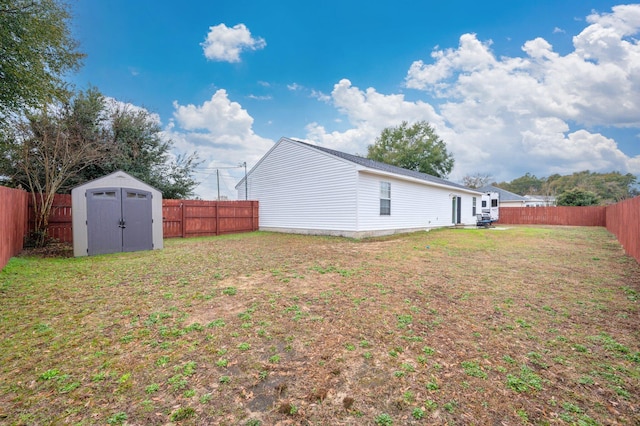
[(528, 325)]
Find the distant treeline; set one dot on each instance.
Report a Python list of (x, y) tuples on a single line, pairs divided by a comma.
[(609, 187)]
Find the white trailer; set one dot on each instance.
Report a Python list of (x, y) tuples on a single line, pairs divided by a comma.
[(490, 210)]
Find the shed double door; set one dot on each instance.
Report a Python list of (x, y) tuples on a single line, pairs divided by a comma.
[(118, 219)]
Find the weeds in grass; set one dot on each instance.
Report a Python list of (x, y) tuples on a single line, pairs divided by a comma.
[(526, 381), (182, 413), (117, 418), (282, 342), (230, 291), (432, 386), (472, 368), (418, 413), (383, 420)]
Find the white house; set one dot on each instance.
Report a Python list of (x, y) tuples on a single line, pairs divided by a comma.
[(308, 189)]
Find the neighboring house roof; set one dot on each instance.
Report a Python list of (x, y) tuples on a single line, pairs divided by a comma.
[(545, 198), (383, 167), (505, 196)]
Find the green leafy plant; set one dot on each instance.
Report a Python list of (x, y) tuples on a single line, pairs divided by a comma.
[(117, 418), (417, 413), (182, 413), (383, 420), (473, 369), (527, 381)]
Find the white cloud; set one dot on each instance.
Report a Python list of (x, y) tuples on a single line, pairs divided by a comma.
[(225, 44), (520, 110), (260, 98), (499, 115), (368, 111), (220, 130), (323, 97)]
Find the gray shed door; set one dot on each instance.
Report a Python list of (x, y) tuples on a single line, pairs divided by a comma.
[(118, 219)]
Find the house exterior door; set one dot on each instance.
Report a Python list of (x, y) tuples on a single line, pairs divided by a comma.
[(118, 219), (456, 210)]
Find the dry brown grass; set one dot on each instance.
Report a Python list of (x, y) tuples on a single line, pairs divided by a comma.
[(530, 325)]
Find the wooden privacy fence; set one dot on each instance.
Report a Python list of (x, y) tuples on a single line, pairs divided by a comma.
[(623, 221), (59, 219), (575, 216), (13, 214), (180, 218), (193, 218)]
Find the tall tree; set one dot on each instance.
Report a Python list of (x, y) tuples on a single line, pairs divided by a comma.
[(476, 180), (577, 197), (47, 148), (416, 147), (140, 149), (524, 185), (36, 50)]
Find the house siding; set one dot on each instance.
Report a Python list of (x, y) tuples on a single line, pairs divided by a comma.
[(303, 190), (413, 205)]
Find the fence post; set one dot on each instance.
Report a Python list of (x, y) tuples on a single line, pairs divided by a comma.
[(217, 210), (183, 221)]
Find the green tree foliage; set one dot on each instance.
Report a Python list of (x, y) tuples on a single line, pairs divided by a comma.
[(59, 147), (608, 187), (47, 148), (415, 147), (577, 197), (36, 50), (524, 185), (138, 147)]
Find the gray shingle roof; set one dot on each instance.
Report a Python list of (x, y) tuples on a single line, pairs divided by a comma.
[(376, 165)]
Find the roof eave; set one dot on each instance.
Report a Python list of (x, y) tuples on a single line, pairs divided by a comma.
[(415, 180)]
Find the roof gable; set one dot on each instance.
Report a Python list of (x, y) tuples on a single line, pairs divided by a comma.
[(388, 168)]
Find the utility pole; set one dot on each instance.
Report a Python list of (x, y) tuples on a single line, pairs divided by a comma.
[(218, 181), (246, 191)]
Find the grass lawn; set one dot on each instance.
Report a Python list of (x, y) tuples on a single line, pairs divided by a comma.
[(528, 325)]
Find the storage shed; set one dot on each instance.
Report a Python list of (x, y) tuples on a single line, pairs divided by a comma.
[(309, 189), (116, 213)]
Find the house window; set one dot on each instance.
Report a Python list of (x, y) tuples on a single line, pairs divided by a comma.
[(385, 198), (473, 208)]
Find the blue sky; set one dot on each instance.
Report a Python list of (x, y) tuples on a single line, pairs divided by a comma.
[(545, 86)]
